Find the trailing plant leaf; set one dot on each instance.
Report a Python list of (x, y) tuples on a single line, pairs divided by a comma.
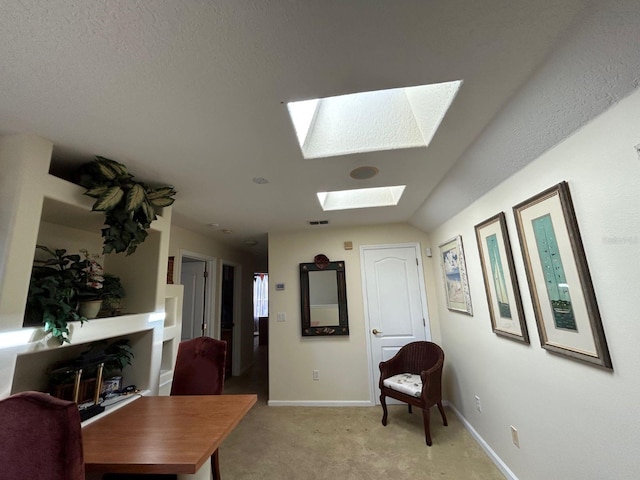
[(110, 169), (118, 168), (97, 192), (161, 202), (108, 200), (160, 192), (135, 197), (149, 212), (128, 205)]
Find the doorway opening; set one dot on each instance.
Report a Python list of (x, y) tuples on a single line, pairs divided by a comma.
[(196, 274), (261, 307), (229, 314), (226, 313)]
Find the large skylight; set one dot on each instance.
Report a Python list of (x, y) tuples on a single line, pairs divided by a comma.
[(303, 113), (360, 198), (371, 121)]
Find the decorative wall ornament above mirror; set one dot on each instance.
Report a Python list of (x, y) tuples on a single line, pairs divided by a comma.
[(323, 298)]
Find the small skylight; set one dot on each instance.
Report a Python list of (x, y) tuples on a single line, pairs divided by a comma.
[(360, 198), (371, 121)]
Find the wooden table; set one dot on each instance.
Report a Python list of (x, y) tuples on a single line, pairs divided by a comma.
[(174, 434)]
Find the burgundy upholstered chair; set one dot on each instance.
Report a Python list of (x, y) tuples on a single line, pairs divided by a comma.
[(199, 370), (414, 376), (200, 366), (41, 438)]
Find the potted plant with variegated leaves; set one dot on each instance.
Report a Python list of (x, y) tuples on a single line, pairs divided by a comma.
[(128, 205)]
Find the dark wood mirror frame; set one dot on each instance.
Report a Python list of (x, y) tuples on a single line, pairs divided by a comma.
[(342, 327)]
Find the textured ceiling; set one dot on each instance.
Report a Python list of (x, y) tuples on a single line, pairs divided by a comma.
[(194, 93)]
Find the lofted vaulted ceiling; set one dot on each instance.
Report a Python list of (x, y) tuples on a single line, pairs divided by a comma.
[(193, 93)]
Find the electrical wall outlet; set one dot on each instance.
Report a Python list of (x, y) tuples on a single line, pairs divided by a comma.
[(281, 317), (478, 404), (316, 374), (514, 436)]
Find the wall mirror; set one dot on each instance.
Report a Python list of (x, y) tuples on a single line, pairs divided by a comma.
[(323, 298)]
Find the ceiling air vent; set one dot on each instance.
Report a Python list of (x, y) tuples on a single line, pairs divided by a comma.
[(318, 222)]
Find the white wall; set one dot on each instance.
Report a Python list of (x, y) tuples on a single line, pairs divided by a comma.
[(342, 361), (182, 239), (575, 421)]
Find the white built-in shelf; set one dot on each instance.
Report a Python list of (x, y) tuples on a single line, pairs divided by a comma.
[(171, 335), (56, 213)]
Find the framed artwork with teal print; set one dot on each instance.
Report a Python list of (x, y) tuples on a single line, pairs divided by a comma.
[(500, 281), (564, 301)]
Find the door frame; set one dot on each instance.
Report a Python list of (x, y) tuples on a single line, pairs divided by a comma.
[(365, 307), (237, 313), (210, 291)]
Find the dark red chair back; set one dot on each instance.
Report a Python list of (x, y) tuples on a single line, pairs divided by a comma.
[(200, 365), (41, 438)]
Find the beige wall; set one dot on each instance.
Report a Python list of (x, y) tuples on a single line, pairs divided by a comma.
[(186, 240), (575, 421), (341, 361)]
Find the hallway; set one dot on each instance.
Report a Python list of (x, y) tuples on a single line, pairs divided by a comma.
[(255, 379)]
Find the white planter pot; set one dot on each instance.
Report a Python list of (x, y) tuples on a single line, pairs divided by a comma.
[(90, 309)]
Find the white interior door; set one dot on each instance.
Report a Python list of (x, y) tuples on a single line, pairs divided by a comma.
[(395, 302), (192, 276)]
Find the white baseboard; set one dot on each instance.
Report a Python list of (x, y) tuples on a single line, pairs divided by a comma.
[(319, 403), (506, 471)]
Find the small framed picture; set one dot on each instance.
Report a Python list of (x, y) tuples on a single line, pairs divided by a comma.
[(455, 276), (500, 281), (112, 384), (564, 301)]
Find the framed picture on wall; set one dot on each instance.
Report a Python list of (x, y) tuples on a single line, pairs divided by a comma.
[(563, 297), (500, 281), (456, 285)]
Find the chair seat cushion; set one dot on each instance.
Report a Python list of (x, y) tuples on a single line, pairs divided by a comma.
[(405, 383)]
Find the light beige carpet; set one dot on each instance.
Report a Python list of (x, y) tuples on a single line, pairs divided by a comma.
[(344, 443)]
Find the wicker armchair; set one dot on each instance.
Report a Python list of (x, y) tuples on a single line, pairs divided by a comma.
[(413, 376)]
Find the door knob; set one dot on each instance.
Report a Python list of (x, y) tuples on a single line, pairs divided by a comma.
[(375, 331)]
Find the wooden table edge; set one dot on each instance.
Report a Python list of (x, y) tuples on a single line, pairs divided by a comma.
[(176, 468)]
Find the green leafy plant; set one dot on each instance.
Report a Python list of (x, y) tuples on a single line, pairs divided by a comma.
[(112, 294), (128, 205), (53, 297), (120, 355), (116, 356)]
